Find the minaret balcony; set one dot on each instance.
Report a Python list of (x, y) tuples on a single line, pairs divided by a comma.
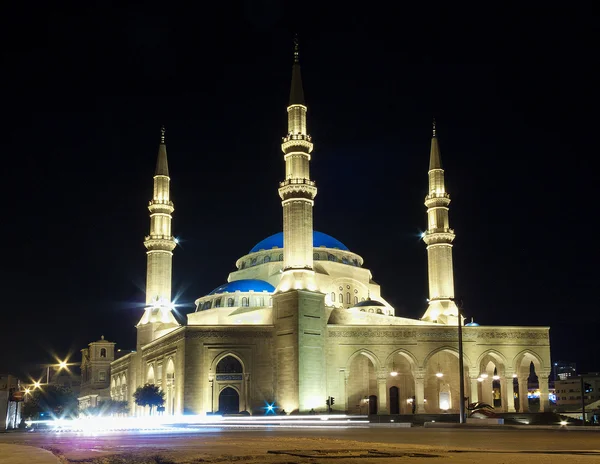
[(161, 206), (293, 142), (159, 242), (440, 235), (297, 188), (437, 199), (297, 181)]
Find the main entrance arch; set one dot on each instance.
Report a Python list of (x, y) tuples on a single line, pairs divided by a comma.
[(229, 401)]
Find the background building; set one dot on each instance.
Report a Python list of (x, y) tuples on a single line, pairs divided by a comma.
[(95, 373), (569, 392), (10, 408)]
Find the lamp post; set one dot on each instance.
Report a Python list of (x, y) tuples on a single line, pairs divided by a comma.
[(461, 378), (60, 365)]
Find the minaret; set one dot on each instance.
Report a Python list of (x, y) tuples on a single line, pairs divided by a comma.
[(439, 237), (299, 315), (297, 191), (160, 244)]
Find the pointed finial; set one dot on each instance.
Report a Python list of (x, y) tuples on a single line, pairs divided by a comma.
[(296, 48), (162, 134), (434, 127)]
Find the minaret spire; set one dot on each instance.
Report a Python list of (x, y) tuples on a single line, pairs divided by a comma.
[(160, 245), (162, 167), (435, 158), (296, 91), (439, 237)]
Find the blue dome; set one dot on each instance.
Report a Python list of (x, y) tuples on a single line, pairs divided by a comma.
[(319, 240), (244, 285), (472, 324)]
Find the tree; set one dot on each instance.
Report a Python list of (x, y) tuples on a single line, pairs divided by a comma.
[(51, 401), (149, 395), (109, 408)]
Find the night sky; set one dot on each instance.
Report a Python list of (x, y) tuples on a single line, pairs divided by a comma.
[(85, 93)]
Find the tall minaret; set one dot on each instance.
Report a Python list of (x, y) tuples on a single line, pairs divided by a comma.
[(439, 237), (297, 191), (299, 315), (160, 244)]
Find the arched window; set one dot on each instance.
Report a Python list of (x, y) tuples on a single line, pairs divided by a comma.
[(379, 311), (345, 260), (316, 256), (229, 365), (347, 297), (261, 301), (281, 257), (355, 300), (253, 262), (218, 302), (103, 352), (341, 298), (245, 301), (207, 305), (333, 297), (266, 259), (230, 302), (330, 257), (355, 262), (270, 302), (243, 266)]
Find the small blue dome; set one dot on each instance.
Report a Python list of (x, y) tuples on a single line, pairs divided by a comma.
[(368, 303), (319, 240), (244, 285), (472, 324)]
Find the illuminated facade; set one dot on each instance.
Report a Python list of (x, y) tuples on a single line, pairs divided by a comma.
[(301, 319)]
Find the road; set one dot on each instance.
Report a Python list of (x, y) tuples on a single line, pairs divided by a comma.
[(250, 445)]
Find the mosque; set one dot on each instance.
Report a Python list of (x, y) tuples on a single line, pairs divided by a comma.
[(301, 320)]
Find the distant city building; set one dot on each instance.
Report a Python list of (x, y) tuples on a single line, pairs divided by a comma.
[(10, 408), (95, 373), (568, 392), (301, 318), (563, 370)]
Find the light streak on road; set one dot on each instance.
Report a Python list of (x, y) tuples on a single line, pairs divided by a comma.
[(90, 425)]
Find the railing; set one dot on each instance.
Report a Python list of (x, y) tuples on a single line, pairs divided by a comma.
[(297, 182), (289, 137)]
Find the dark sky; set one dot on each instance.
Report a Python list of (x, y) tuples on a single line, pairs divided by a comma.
[(86, 90)]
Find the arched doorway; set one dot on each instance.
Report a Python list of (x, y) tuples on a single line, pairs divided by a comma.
[(362, 383), (442, 382), (394, 400), (230, 385), (372, 404), (229, 401)]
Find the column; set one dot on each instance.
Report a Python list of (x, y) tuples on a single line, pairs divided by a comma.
[(474, 389), (420, 392), (211, 392), (523, 401), (382, 404), (246, 391), (343, 390), (508, 391), (544, 401)]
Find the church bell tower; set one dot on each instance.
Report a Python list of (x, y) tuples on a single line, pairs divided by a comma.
[(158, 318), (439, 237), (298, 306)]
